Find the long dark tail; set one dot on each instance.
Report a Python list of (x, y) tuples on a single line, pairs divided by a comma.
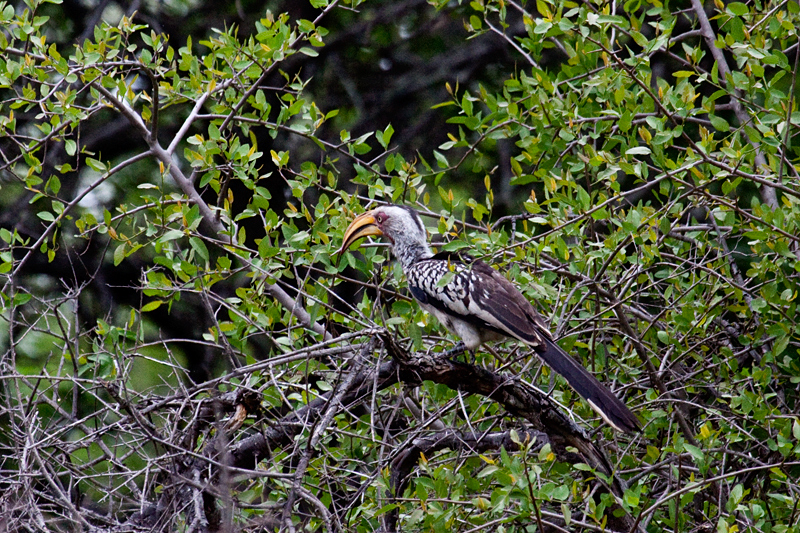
[(599, 397)]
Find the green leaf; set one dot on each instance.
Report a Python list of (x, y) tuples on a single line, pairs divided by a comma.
[(385, 137), (719, 123), (560, 493), (737, 8), (441, 160), (151, 306), (54, 184), (21, 298), (171, 235), (199, 248), (695, 452), (524, 179), (631, 498), (266, 250), (453, 246), (119, 254), (95, 164), (445, 279), (638, 150)]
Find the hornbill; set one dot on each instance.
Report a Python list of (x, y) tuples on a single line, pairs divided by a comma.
[(478, 304)]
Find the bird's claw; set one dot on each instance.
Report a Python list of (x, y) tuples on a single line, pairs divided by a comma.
[(458, 350)]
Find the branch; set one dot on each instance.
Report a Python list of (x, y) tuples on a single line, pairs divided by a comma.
[(455, 440), (67, 211), (248, 452), (768, 194), (549, 423), (518, 399), (210, 224)]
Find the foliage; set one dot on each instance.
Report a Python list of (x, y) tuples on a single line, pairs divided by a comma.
[(633, 168)]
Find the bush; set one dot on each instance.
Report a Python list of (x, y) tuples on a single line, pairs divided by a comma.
[(184, 348)]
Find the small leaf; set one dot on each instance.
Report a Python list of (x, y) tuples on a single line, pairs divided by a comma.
[(21, 298), (737, 8), (171, 235), (638, 150), (199, 248), (444, 280), (151, 306), (631, 498), (385, 136), (441, 160), (695, 452), (119, 254), (719, 123)]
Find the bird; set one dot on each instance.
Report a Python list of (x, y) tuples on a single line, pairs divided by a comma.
[(478, 304)]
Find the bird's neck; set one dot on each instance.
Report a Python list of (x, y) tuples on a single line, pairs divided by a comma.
[(409, 253)]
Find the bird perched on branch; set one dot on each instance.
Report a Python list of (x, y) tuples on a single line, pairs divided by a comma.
[(478, 304)]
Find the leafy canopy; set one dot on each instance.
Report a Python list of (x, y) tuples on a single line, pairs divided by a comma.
[(174, 315)]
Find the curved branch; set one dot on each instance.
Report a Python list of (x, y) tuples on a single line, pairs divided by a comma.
[(455, 440), (550, 423), (519, 400), (768, 194)]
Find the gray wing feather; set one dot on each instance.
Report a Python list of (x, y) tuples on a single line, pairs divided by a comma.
[(501, 304), (480, 295)]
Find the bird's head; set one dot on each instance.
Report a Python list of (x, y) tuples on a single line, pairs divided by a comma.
[(399, 224)]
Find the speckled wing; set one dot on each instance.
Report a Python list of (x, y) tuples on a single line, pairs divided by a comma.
[(451, 297), (504, 306), (499, 303), (478, 295)]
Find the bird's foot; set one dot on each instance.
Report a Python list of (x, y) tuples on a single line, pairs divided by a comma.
[(455, 351), (459, 349)]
